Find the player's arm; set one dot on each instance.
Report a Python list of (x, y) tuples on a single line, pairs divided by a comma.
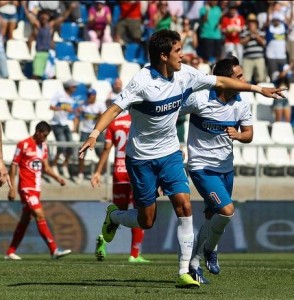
[(4, 176), (245, 135), (96, 177), (106, 118), (49, 171), (226, 83), (12, 174)]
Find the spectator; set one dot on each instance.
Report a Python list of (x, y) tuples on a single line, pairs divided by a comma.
[(43, 29), (31, 158), (128, 28), (62, 105), (189, 39), (75, 14), (209, 31), (3, 58), (253, 41), (8, 11), (192, 10), (275, 51), (86, 116), (99, 23), (290, 35), (116, 89), (232, 24), (162, 19), (282, 79)]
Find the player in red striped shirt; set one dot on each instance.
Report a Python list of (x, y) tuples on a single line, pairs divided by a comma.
[(117, 135), (31, 158)]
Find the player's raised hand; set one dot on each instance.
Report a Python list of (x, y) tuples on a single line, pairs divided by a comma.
[(276, 93), (88, 144)]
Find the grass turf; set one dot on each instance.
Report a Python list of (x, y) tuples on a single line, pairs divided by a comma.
[(80, 276)]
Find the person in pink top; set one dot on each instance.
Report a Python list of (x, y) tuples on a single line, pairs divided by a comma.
[(99, 18), (232, 24), (31, 159)]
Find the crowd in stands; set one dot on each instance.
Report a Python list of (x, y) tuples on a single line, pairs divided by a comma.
[(91, 49)]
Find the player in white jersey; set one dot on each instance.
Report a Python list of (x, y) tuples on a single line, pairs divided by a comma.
[(154, 97), (215, 119)]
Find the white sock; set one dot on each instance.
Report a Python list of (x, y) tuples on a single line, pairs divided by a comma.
[(128, 218), (217, 227), (185, 238), (199, 244)]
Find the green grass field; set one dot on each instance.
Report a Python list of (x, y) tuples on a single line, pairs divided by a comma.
[(243, 276)]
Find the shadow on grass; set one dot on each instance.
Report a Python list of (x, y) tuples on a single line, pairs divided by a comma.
[(105, 282)]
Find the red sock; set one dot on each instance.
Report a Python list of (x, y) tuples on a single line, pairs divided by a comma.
[(137, 239), (18, 236), (46, 235)]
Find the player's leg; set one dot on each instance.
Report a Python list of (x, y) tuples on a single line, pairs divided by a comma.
[(19, 233), (33, 200), (176, 186)]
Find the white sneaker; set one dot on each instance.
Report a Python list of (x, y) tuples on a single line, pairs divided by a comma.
[(79, 178), (60, 253), (12, 256), (65, 172)]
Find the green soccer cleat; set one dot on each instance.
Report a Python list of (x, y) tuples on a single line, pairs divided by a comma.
[(185, 281), (100, 251), (109, 228), (138, 259)]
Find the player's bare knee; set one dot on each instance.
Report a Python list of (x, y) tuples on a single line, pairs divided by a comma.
[(228, 210), (146, 224)]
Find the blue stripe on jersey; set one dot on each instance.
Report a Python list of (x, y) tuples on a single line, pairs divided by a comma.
[(211, 126), (163, 107)]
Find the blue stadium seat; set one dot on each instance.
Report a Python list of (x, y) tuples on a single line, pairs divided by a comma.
[(136, 53), (80, 94), (107, 72), (65, 51), (70, 31), (84, 13)]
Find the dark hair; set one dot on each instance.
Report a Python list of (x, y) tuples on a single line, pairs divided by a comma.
[(43, 126), (161, 42), (224, 67)]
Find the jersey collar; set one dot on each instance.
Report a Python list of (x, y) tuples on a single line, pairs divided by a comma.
[(154, 73), (213, 96)]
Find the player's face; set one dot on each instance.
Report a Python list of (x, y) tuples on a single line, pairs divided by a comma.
[(238, 73), (41, 136), (174, 60)]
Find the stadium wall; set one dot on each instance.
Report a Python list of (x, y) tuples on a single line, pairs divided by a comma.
[(258, 226)]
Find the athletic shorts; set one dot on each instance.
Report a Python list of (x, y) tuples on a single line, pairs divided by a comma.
[(215, 188), (122, 194), (30, 200), (147, 175)]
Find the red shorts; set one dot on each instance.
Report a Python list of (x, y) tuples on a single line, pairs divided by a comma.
[(122, 194), (30, 200)]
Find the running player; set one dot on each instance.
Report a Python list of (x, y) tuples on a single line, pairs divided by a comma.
[(215, 119), (155, 95), (31, 157), (117, 134)]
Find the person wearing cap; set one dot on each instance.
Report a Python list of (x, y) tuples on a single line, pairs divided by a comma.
[(232, 24), (253, 41), (86, 116), (62, 105), (276, 48)]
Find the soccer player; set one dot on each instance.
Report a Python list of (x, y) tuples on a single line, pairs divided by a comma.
[(4, 176), (154, 96), (31, 157), (215, 119), (117, 134)]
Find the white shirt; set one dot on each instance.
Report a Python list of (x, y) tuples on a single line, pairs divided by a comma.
[(89, 114), (209, 147), (61, 99), (154, 103)]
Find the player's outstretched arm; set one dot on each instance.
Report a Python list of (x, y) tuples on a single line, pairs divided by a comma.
[(106, 118), (226, 83)]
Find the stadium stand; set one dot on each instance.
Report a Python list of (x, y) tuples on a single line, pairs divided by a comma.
[(42, 110), (112, 53), (87, 51), (14, 70), (16, 130), (4, 111), (83, 72), (65, 51), (23, 110), (62, 70), (8, 89), (107, 72), (50, 87), (29, 89), (18, 50)]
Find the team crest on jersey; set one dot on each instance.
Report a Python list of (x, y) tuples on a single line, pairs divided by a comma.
[(35, 165), (133, 85)]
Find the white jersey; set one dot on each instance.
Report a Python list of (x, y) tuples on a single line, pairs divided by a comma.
[(209, 147), (154, 103)]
